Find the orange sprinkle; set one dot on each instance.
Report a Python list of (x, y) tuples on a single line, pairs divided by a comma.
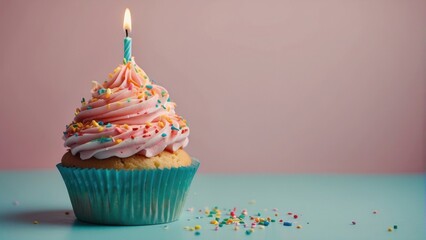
[(118, 140), (161, 124), (126, 126)]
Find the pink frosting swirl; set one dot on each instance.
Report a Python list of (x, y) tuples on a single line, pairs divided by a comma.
[(127, 115)]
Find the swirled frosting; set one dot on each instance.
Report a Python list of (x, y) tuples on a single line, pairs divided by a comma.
[(127, 115)]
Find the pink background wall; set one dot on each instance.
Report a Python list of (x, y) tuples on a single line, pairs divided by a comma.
[(268, 86)]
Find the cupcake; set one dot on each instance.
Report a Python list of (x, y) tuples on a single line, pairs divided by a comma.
[(125, 163)]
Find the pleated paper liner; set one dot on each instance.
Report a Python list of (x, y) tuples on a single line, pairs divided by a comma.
[(128, 197)]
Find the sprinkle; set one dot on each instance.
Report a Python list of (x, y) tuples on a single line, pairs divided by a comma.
[(168, 99), (214, 222), (108, 93), (164, 134), (149, 86), (295, 216), (197, 233), (118, 140), (236, 228), (353, 223), (83, 100), (289, 213), (395, 227), (390, 229), (89, 107), (161, 124), (216, 228), (261, 227), (299, 226), (288, 224), (266, 223), (108, 125), (101, 91), (128, 100), (163, 93), (158, 101), (166, 227), (94, 123), (375, 212), (197, 227), (35, 222), (163, 106), (100, 129), (177, 129)]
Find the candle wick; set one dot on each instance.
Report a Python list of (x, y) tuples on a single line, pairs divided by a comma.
[(127, 33)]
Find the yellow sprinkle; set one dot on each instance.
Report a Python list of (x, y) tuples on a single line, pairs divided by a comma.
[(110, 75), (140, 96), (126, 126), (214, 222), (197, 227), (191, 229), (100, 129), (94, 123), (169, 120), (118, 140), (108, 93), (390, 229)]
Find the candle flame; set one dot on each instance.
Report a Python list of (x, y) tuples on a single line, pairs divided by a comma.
[(127, 24)]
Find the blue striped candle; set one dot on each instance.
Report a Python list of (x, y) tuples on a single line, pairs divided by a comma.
[(127, 48)]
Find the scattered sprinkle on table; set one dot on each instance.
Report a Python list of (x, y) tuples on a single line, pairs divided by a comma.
[(35, 222)]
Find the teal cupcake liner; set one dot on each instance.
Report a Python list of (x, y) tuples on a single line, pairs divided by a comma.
[(128, 197)]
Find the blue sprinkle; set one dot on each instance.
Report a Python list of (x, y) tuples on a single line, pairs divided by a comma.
[(265, 223), (76, 134), (149, 86), (174, 128), (89, 107), (101, 123), (109, 125), (248, 232), (288, 224), (197, 233), (65, 133), (101, 91), (163, 134), (168, 99)]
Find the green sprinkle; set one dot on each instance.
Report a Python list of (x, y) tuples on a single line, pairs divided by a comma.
[(148, 93), (272, 220), (163, 106), (163, 134), (124, 61), (149, 86), (128, 100), (156, 105), (158, 101), (163, 93)]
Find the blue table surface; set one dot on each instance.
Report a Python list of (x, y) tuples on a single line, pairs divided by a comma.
[(326, 205)]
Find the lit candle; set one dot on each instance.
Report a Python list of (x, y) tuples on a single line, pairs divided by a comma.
[(127, 26)]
